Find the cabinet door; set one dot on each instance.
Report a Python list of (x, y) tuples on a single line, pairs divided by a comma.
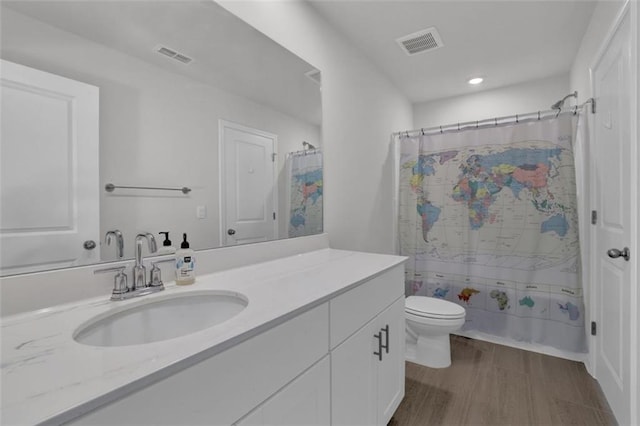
[(354, 378), (305, 401), (353, 309), (391, 369)]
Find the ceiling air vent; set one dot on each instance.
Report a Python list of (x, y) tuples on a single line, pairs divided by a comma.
[(421, 41), (173, 54)]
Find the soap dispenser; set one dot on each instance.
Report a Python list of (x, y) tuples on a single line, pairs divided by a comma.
[(185, 263), (166, 248)]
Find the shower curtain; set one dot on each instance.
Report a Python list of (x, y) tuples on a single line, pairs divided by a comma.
[(305, 187), (488, 217)]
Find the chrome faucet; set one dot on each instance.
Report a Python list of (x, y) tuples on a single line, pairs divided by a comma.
[(119, 242), (139, 286), (139, 271)]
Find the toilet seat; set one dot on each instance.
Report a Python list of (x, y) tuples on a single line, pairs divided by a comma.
[(434, 308)]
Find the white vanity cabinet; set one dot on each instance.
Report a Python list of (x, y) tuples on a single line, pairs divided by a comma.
[(300, 353), (223, 388), (367, 367), (316, 368)]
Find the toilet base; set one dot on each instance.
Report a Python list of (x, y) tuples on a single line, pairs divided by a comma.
[(429, 351)]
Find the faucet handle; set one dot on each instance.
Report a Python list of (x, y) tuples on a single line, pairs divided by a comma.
[(156, 273), (156, 277), (119, 281)]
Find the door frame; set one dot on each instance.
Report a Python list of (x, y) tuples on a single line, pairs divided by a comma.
[(629, 8), (225, 124)]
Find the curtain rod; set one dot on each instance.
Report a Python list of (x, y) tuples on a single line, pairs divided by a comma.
[(497, 121), (304, 152)]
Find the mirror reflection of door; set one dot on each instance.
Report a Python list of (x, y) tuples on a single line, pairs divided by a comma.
[(248, 184), (49, 182)]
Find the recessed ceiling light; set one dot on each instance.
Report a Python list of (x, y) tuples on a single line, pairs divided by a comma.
[(475, 80)]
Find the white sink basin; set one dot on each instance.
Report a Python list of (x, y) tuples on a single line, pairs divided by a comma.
[(161, 318)]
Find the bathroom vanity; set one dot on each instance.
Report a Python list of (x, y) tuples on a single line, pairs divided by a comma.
[(320, 341)]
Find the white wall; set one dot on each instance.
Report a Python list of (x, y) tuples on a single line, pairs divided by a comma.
[(361, 108), (537, 95), (602, 19), (157, 128)]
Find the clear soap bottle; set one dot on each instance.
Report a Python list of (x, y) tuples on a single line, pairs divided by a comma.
[(185, 263)]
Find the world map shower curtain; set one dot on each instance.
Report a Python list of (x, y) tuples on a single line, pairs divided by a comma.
[(489, 220), (305, 190)]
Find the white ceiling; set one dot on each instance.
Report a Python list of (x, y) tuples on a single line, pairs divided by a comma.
[(506, 42), (227, 52)]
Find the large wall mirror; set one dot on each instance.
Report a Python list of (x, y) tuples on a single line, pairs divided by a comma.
[(128, 117)]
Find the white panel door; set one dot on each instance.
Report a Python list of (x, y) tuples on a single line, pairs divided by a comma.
[(248, 185), (613, 192), (391, 369), (49, 170)]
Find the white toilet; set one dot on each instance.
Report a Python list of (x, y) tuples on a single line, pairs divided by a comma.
[(429, 322)]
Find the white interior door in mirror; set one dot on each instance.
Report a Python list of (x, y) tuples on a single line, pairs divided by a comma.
[(49, 170), (248, 185)]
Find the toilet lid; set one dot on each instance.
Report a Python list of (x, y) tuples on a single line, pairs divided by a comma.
[(433, 307)]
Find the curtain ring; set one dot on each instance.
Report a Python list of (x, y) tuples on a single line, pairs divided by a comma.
[(458, 126), (538, 115), (496, 120), (441, 129), (422, 130), (477, 122), (575, 110), (558, 113), (407, 132), (517, 120)]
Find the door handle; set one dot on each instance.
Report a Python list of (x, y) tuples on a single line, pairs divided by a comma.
[(89, 245), (379, 353), (231, 231), (386, 338), (615, 253)]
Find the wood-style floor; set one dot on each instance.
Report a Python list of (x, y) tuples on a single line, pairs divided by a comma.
[(490, 384)]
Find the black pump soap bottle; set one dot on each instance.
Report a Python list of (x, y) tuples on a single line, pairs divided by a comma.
[(185, 264), (166, 248)]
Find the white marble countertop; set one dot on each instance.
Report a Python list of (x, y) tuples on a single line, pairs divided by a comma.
[(47, 377)]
